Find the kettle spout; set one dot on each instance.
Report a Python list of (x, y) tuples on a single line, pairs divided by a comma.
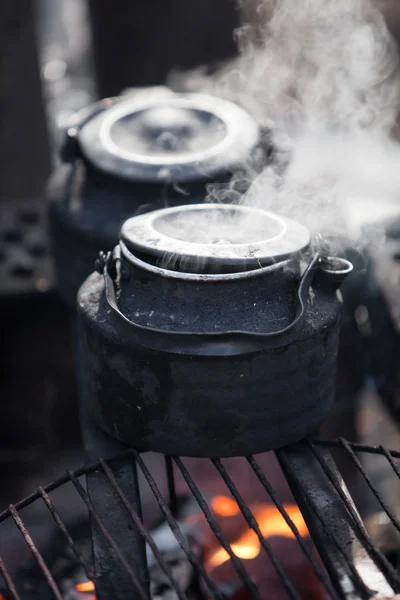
[(333, 271)]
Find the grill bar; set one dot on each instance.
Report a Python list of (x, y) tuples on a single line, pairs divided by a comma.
[(112, 578), (35, 552), (141, 528), (252, 523), (85, 470), (389, 455), (337, 481), (322, 576), (333, 529), (323, 529), (169, 466), (54, 513), (94, 515), (212, 588), (9, 582), (357, 447), (371, 486), (216, 529)]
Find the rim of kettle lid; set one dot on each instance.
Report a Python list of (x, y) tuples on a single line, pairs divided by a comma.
[(174, 137), (219, 233)]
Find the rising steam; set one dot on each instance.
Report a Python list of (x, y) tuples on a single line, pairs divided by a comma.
[(323, 75)]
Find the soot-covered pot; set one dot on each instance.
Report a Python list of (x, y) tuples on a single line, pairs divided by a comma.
[(202, 334), (144, 150)]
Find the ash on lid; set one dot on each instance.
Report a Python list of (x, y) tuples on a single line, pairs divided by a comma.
[(215, 233)]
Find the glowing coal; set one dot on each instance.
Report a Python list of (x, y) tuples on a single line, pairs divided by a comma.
[(270, 521)]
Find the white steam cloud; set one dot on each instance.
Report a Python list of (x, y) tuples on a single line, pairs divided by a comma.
[(323, 74)]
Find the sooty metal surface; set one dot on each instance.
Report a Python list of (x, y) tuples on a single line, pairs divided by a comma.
[(206, 235), (210, 363), (352, 567)]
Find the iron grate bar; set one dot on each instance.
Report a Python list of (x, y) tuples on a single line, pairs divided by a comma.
[(54, 485), (320, 573), (378, 558), (141, 528), (93, 513), (9, 582), (253, 524), (5, 514), (351, 570), (212, 588), (35, 552), (357, 447), (216, 529), (371, 486), (54, 513), (353, 573), (389, 456), (355, 576), (169, 466)]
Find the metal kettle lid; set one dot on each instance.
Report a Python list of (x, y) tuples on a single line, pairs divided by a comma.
[(171, 137), (216, 234)]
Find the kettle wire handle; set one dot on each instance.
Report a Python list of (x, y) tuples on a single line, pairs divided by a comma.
[(228, 342), (70, 150)]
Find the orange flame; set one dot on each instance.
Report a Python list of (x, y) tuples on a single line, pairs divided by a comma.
[(271, 523), (225, 506), (85, 586)]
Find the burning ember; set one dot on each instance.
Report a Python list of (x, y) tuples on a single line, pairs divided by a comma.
[(245, 543), (83, 590), (225, 506), (270, 521), (85, 586)]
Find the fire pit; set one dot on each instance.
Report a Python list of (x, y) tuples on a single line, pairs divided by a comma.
[(270, 532)]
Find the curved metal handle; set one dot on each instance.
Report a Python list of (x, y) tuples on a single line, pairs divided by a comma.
[(207, 343), (70, 150)]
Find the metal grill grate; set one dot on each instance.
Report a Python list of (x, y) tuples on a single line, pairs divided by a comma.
[(348, 565)]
